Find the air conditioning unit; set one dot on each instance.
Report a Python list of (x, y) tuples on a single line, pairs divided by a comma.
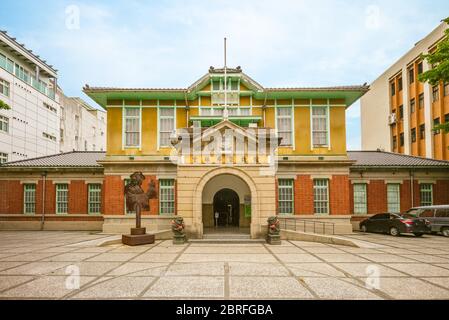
[(392, 119)]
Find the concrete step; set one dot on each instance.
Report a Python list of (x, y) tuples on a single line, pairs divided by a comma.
[(226, 236), (227, 241)]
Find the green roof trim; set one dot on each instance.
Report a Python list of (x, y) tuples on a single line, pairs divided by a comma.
[(243, 121)]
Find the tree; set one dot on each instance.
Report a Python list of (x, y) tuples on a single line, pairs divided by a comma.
[(439, 59), (4, 105)]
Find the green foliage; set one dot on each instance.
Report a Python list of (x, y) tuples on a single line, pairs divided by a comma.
[(439, 59), (4, 105), (443, 127)]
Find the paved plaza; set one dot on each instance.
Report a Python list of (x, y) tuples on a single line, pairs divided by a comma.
[(45, 265)]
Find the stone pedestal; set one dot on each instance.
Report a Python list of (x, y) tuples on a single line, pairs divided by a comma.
[(274, 239), (137, 237), (179, 239)]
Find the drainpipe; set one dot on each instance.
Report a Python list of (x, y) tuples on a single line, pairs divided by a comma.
[(412, 189), (44, 176)]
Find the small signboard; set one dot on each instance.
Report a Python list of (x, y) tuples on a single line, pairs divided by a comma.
[(247, 202)]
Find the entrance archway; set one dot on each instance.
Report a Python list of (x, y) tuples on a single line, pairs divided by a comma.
[(226, 209)]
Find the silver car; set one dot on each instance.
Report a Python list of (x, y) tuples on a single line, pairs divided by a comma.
[(437, 215)]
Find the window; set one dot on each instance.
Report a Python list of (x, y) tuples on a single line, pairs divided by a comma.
[(9, 65), (421, 101), (29, 198), (413, 135), (401, 139), (167, 196), (360, 201), (395, 142), (435, 93), (446, 119), (85, 145), (412, 105), (393, 89), (401, 112), (94, 198), (393, 197), (48, 136), (411, 75), (422, 131), (62, 198), (3, 157), (400, 84), (284, 125), (132, 127), (126, 207), (436, 123), (426, 194), (420, 68), (4, 87), (319, 126), (321, 196), (4, 124), (285, 196), (166, 125), (446, 89)]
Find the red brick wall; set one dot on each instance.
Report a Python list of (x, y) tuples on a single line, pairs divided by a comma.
[(78, 197), (303, 190), (441, 194), (11, 197), (406, 196), (113, 195), (377, 196), (339, 195)]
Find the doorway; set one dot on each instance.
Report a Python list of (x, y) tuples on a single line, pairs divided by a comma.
[(226, 209)]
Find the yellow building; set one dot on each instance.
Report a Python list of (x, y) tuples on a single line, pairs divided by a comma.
[(286, 153)]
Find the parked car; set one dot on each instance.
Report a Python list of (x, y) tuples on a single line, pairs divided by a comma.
[(437, 215), (395, 224)]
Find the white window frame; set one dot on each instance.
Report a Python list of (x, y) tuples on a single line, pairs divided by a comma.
[(62, 197), (124, 132), (3, 157), (360, 207), (286, 194), (4, 124), (161, 117), (29, 198), (321, 197), (291, 129), (327, 124), (94, 198), (5, 87), (167, 197), (394, 191), (426, 189)]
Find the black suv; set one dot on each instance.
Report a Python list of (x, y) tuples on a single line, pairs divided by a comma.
[(395, 224)]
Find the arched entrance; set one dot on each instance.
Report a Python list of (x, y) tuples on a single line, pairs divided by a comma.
[(226, 207)]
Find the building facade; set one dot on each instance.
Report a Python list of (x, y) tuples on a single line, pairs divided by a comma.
[(31, 127), (224, 153), (399, 112), (83, 127)]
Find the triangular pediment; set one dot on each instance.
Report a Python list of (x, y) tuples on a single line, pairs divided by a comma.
[(227, 125)]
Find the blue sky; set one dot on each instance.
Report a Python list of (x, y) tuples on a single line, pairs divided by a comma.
[(173, 43)]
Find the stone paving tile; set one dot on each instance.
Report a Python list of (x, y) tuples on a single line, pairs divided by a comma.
[(187, 287), (339, 289), (43, 287), (267, 287), (303, 244), (443, 282), (196, 257), (361, 250), (113, 257), (10, 264), (275, 249), (343, 257), (196, 269), (419, 269), (396, 251), (75, 256), (88, 268), (121, 287), (155, 257), (428, 251), (385, 257), (427, 258), (172, 249), (228, 249), (92, 249), (314, 270), (129, 249), (7, 282), (259, 269), (296, 257), (365, 269), (139, 269), (28, 257), (323, 250), (35, 268), (411, 288), (442, 265)]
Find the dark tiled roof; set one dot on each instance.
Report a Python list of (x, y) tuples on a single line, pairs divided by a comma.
[(74, 159), (388, 159)]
